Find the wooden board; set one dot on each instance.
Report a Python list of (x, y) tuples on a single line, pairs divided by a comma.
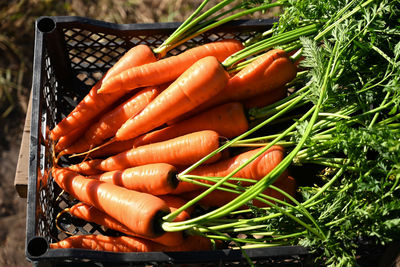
[(21, 174)]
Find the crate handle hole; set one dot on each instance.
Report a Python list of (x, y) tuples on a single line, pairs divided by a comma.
[(46, 25), (37, 246)]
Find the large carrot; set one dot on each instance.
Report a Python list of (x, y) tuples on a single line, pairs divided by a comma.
[(130, 244), (198, 84), (228, 120), (270, 71), (156, 179), (256, 169), (169, 69), (91, 214), (110, 122), (183, 150), (139, 212), (93, 104)]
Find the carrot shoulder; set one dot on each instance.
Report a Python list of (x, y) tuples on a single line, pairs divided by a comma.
[(93, 103), (168, 69), (139, 212)]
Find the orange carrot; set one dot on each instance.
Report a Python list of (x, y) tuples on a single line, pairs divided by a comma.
[(93, 103), (130, 244), (156, 179), (169, 69), (91, 214), (287, 184), (270, 71), (265, 99), (69, 138), (139, 212), (257, 169), (202, 81), (183, 150), (110, 122), (218, 198), (113, 148), (228, 120), (174, 203), (89, 167)]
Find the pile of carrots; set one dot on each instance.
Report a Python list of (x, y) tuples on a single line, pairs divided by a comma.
[(149, 119)]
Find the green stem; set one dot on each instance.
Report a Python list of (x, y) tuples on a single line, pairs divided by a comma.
[(171, 42), (373, 121), (266, 44)]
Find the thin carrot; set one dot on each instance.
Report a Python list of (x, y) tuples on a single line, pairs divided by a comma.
[(268, 72), (93, 103), (174, 203), (113, 148), (91, 214), (139, 212), (130, 244), (183, 150), (156, 179), (89, 167), (169, 69), (228, 120), (202, 81), (257, 169), (110, 122), (69, 138)]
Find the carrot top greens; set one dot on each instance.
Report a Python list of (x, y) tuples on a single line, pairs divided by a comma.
[(342, 120)]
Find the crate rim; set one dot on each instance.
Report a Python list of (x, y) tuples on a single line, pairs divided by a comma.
[(44, 253), (146, 26)]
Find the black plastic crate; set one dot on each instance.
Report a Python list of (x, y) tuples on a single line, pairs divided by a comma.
[(71, 54)]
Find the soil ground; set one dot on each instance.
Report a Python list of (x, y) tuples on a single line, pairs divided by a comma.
[(12, 207)]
